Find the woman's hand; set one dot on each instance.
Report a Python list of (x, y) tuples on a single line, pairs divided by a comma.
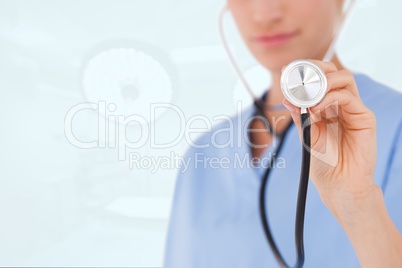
[(343, 148), (343, 141)]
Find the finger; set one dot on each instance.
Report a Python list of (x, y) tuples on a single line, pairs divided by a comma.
[(316, 123), (342, 79), (315, 129), (342, 97), (295, 114), (292, 109), (326, 67), (350, 107), (328, 115), (318, 129)]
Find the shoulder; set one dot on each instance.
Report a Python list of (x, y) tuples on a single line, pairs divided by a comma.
[(386, 103), (227, 133), (382, 99)]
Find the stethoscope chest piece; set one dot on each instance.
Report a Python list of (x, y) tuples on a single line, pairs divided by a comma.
[(303, 83)]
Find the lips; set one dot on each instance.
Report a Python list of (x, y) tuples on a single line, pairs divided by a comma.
[(275, 40)]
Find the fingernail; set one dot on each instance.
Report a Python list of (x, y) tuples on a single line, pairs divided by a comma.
[(290, 108)]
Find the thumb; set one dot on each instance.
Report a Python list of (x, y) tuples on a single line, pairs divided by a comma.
[(295, 113)]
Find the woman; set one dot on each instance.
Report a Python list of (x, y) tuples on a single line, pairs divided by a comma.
[(353, 211)]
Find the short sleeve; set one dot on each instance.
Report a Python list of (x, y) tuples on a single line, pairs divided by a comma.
[(393, 187), (178, 241)]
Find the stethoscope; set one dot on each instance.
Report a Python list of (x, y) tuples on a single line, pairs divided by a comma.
[(304, 84)]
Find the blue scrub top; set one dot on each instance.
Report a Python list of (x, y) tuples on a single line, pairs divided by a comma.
[(215, 219)]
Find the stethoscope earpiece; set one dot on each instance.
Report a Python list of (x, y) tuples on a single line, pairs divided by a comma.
[(303, 83)]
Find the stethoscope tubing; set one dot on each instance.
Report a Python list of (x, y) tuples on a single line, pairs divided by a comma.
[(261, 107)]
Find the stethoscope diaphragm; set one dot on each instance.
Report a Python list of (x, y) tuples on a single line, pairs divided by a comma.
[(303, 83)]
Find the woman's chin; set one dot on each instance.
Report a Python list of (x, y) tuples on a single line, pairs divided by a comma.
[(275, 63)]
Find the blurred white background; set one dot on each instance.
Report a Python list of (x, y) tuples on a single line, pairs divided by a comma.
[(66, 206)]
